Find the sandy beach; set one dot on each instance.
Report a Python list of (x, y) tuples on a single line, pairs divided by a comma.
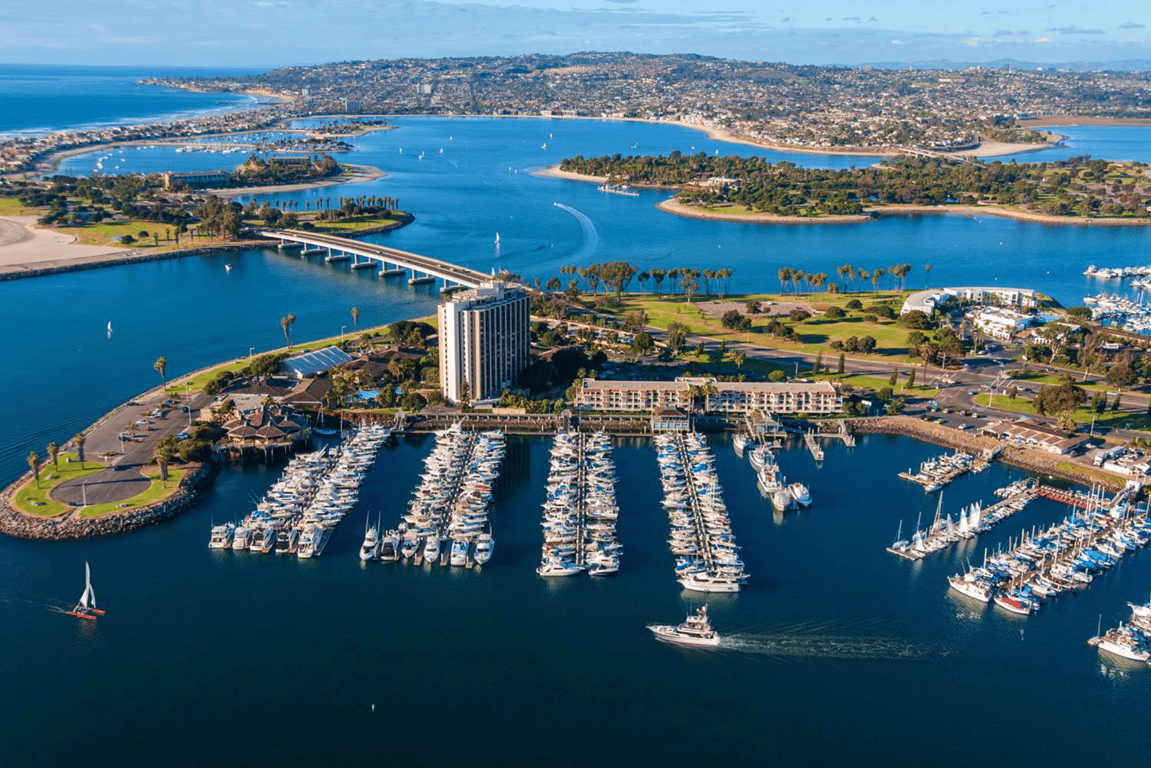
[(23, 244)]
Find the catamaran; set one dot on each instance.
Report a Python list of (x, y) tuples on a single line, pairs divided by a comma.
[(86, 608)]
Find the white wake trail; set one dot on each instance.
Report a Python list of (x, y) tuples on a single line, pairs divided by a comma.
[(824, 646), (590, 236)]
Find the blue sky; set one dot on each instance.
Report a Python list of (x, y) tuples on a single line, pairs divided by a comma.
[(273, 32)]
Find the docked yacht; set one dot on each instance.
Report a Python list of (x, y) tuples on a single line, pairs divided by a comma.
[(1124, 642), (263, 539), (484, 547), (971, 587), (800, 493), (370, 549), (740, 443), (241, 539), (459, 556), (431, 548), (558, 567), (312, 541), (222, 536), (287, 540), (390, 547), (695, 631), (706, 582)]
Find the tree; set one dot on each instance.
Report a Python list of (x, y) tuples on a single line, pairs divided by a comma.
[(1099, 402), (355, 318), (1013, 392), (926, 275), (54, 454), (724, 274), (79, 440), (1059, 399), (163, 457), (834, 313), (161, 367), (642, 343), (34, 463), (839, 368), (286, 324), (689, 286), (752, 307), (657, 276), (910, 379), (738, 357), (465, 395), (1121, 375), (818, 362), (1115, 403), (884, 394), (776, 376), (677, 336), (893, 379)]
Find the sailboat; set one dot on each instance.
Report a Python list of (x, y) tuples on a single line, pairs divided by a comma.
[(109, 326), (86, 608), (497, 240)]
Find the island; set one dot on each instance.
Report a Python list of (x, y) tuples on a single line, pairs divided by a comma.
[(752, 189)]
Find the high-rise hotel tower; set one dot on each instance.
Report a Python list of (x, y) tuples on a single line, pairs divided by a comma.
[(484, 340)]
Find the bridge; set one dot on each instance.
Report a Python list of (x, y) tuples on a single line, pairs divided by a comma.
[(389, 261)]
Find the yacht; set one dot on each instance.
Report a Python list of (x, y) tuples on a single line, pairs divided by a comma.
[(390, 547), (800, 493), (740, 443), (287, 540), (695, 631), (410, 546), (222, 536), (557, 567), (705, 582), (263, 539), (1124, 642), (431, 548), (311, 541), (971, 587), (241, 539), (370, 549), (485, 544), (459, 555)]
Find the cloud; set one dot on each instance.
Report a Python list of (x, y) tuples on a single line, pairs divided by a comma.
[(623, 2), (1131, 25), (1042, 40), (873, 19), (1074, 30), (856, 19)]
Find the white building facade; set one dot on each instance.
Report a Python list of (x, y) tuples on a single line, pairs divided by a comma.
[(722, 396), (485, 341)]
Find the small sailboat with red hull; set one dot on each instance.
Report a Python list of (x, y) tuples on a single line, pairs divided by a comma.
[(86, 608)]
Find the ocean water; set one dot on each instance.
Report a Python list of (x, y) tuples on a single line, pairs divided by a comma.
[(40, 98), (838, 653)]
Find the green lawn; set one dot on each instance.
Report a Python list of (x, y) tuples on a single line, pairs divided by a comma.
[(155, 492), (11, 206), (37, 500), (813, 336), (104, 233), (355, 224), (1114, 420)]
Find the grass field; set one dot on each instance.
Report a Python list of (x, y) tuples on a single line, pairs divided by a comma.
[(1109, 419), (355, 224), (157, 491), (38, 501), (813, 336), (10, 206)]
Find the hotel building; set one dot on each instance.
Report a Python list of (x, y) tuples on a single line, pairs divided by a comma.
[(485, 339)]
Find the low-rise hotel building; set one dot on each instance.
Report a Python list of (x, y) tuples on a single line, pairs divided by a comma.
[(717, 396), (485, 341)]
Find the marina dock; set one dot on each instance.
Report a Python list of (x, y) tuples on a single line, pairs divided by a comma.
[(935, 473), (580, 511), (973, 520), (447, 519), (707, 557), (316, 490)]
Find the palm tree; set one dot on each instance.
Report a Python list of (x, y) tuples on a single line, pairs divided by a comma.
[(657, 276), (54, 454), (926, 274), (355, 318), (708, 276), (737, 357), (286, 323), (79, 440), (34, 463), (724, 274), (161, 367), (784, 274), (163, 456)]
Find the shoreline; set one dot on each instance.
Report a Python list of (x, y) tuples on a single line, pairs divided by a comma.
[(1071, 120), (360, 174), (676, 208)]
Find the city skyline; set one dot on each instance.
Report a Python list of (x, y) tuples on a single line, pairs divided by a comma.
[(281, 32)]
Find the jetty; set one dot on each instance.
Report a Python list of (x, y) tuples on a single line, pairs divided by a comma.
[(707, 557), (935, 473), (447, 518), (972, 521), (580, 511)]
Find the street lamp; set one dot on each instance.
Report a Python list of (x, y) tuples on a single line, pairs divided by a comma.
[(342, 327), (250, 351)]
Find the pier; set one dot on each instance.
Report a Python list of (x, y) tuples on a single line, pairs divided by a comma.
[(973, 520), (707, 557), (387, 261), (935, 473), (450, 506), (580, 511), (813, 445)]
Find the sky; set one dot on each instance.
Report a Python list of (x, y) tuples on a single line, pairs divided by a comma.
[(281, 32)]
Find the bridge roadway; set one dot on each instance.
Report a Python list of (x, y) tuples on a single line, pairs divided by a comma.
[(423, 268)]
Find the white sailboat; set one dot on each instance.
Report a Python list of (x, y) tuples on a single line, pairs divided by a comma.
[(86, 608), (109, 327)]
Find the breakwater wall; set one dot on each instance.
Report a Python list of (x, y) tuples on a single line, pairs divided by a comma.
[(116, 260), (70, 525)]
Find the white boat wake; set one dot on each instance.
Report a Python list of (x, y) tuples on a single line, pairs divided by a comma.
[(824, 646), (590, 236)]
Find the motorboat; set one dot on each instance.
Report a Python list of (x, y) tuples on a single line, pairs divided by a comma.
[(370, 549), (242, 537), (800, 493), (459, 556), (695, 631), (222, 536)]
